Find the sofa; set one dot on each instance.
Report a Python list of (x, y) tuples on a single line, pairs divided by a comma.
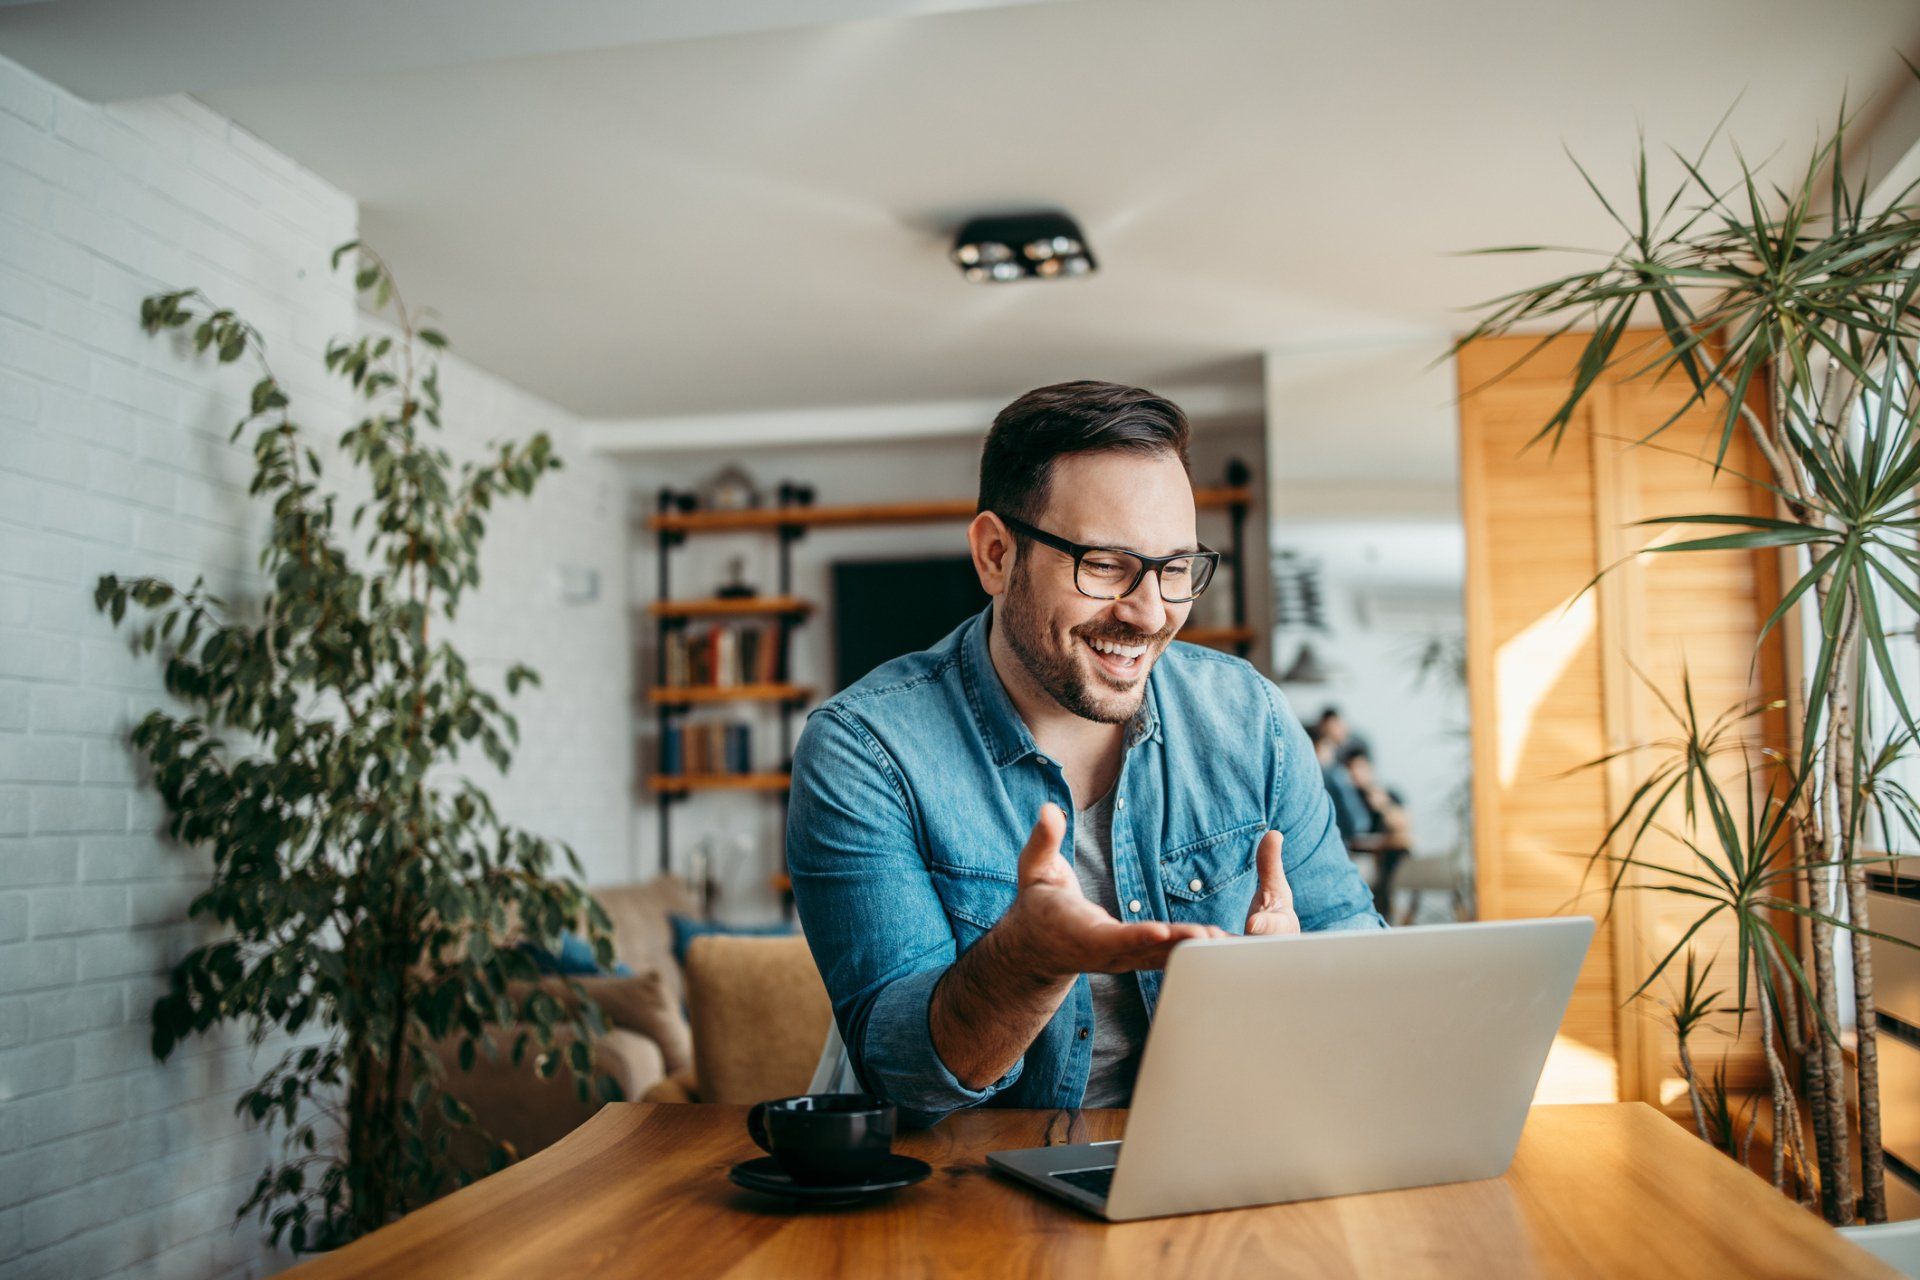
[(647, 1036), (745, 1021), (760, 1017)]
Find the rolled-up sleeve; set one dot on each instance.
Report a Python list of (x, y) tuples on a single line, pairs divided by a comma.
[(877, 929), (1328, 892)]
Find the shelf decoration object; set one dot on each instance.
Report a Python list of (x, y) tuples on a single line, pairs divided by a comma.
[(730, 489)]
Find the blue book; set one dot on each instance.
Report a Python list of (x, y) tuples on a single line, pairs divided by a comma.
[(739, 747)]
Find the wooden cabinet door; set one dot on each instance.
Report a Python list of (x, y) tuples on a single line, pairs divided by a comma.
[(1553, 682)]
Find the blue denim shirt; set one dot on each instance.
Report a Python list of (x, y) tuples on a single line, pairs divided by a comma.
[(915, 789)]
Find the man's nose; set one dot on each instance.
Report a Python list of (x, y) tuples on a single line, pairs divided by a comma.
[(1142, 608)]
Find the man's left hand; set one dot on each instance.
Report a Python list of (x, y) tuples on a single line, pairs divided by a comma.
[(1272, 910)]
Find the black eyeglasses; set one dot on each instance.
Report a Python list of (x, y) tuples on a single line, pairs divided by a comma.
[(1111, 573)]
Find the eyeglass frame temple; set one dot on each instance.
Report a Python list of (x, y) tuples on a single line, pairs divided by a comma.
[(1148, 563)]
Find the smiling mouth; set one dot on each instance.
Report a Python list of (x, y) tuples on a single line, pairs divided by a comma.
[(1123, 662)]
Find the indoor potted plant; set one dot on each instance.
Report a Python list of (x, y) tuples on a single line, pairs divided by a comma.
[(367, 896), (1808, 299)]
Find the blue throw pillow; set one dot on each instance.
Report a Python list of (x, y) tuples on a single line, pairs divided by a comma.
[(575, 960), (686, 930)]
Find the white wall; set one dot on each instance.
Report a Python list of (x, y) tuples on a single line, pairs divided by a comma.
[(1389, 586), (1363, 465), (746, 829), (113, 458), (571, 773)]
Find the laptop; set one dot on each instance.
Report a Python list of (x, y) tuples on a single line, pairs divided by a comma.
[(1324, 1064)]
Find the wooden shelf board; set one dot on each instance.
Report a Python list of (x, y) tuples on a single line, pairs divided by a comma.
[(761, 518), (683, 783), (1216, 637), (716, 607), (690, 694)]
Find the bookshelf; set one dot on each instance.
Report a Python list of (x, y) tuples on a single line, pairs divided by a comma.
[(684, 783), (735, 607), (1239, 639), (1218, 497), (662, 696), (672, 701)]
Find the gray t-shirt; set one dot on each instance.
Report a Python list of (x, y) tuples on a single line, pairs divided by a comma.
[(1119, 1016)]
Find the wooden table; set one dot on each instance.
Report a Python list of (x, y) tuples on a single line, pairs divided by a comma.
[(641, 1190)]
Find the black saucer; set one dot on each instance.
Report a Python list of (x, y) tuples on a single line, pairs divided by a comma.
[(766, 1175)]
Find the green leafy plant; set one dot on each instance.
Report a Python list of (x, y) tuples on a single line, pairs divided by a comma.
[(1803, 298), (364, 890), (1713, 1111)]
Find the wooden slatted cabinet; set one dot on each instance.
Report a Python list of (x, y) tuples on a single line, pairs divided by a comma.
[(1555, 677)]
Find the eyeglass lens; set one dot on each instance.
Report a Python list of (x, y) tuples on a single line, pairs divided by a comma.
[(1108, 575)]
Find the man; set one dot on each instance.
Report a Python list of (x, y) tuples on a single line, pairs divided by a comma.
[(1163, 792), (1388, 833), (1329, 736)]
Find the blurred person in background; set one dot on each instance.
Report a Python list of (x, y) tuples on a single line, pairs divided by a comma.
[(1388, 830)]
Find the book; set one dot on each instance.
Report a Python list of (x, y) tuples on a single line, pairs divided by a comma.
[(724, 656), (751, 638), (739, 747), (676, 673), (770, 656), (672, 752)]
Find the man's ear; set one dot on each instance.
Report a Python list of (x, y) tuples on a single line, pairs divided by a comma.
[(991, 543)]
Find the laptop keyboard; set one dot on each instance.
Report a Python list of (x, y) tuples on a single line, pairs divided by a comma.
[(1098, 1181)]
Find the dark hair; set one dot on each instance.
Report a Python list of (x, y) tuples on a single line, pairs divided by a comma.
[(1355, 752), (1070, 417)]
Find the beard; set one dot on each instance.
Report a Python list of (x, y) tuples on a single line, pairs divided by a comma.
[(1061, 673)]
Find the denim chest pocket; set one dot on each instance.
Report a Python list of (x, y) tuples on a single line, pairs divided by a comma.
[(1210, 881), (974, 899)]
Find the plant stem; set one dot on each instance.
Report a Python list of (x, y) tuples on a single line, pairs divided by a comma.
[(1776, 1077), (1693, 1090), (1813, 1082), (1873, 1193), (1873, 1163), (1836, 1170), (1873, 1189)]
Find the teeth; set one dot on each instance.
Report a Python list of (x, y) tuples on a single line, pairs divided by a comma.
[(1118, 651)]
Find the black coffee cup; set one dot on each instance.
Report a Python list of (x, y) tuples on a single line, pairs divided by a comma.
[(825, 1138)]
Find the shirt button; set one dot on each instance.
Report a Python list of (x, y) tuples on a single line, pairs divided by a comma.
[(1043, 760), (1083, 1033), (1134, 906), (1196, 885), (1120, 803)]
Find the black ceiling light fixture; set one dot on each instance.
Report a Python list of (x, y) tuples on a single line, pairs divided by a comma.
[(1002, 248)]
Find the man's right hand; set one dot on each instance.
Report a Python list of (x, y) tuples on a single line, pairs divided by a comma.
[(1054, 931), (1001, 992)]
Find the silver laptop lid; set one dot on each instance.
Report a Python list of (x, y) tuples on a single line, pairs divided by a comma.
[(1331, 1063)]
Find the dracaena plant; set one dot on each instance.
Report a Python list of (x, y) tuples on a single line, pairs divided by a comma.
[(362, 888), (1805, 299)]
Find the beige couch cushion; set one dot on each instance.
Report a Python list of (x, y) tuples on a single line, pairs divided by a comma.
[(760, 1016), (520, 1107), (640, 1002), (642, 931)]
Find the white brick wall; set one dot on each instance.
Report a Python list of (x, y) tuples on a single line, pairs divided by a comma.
[(114, 458)]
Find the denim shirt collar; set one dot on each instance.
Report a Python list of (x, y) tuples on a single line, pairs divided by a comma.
[(1001, 728)]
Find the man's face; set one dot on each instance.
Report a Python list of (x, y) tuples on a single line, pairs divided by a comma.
[(1093, 656)]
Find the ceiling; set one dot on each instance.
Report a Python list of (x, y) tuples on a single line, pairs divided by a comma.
[(679, 210)]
